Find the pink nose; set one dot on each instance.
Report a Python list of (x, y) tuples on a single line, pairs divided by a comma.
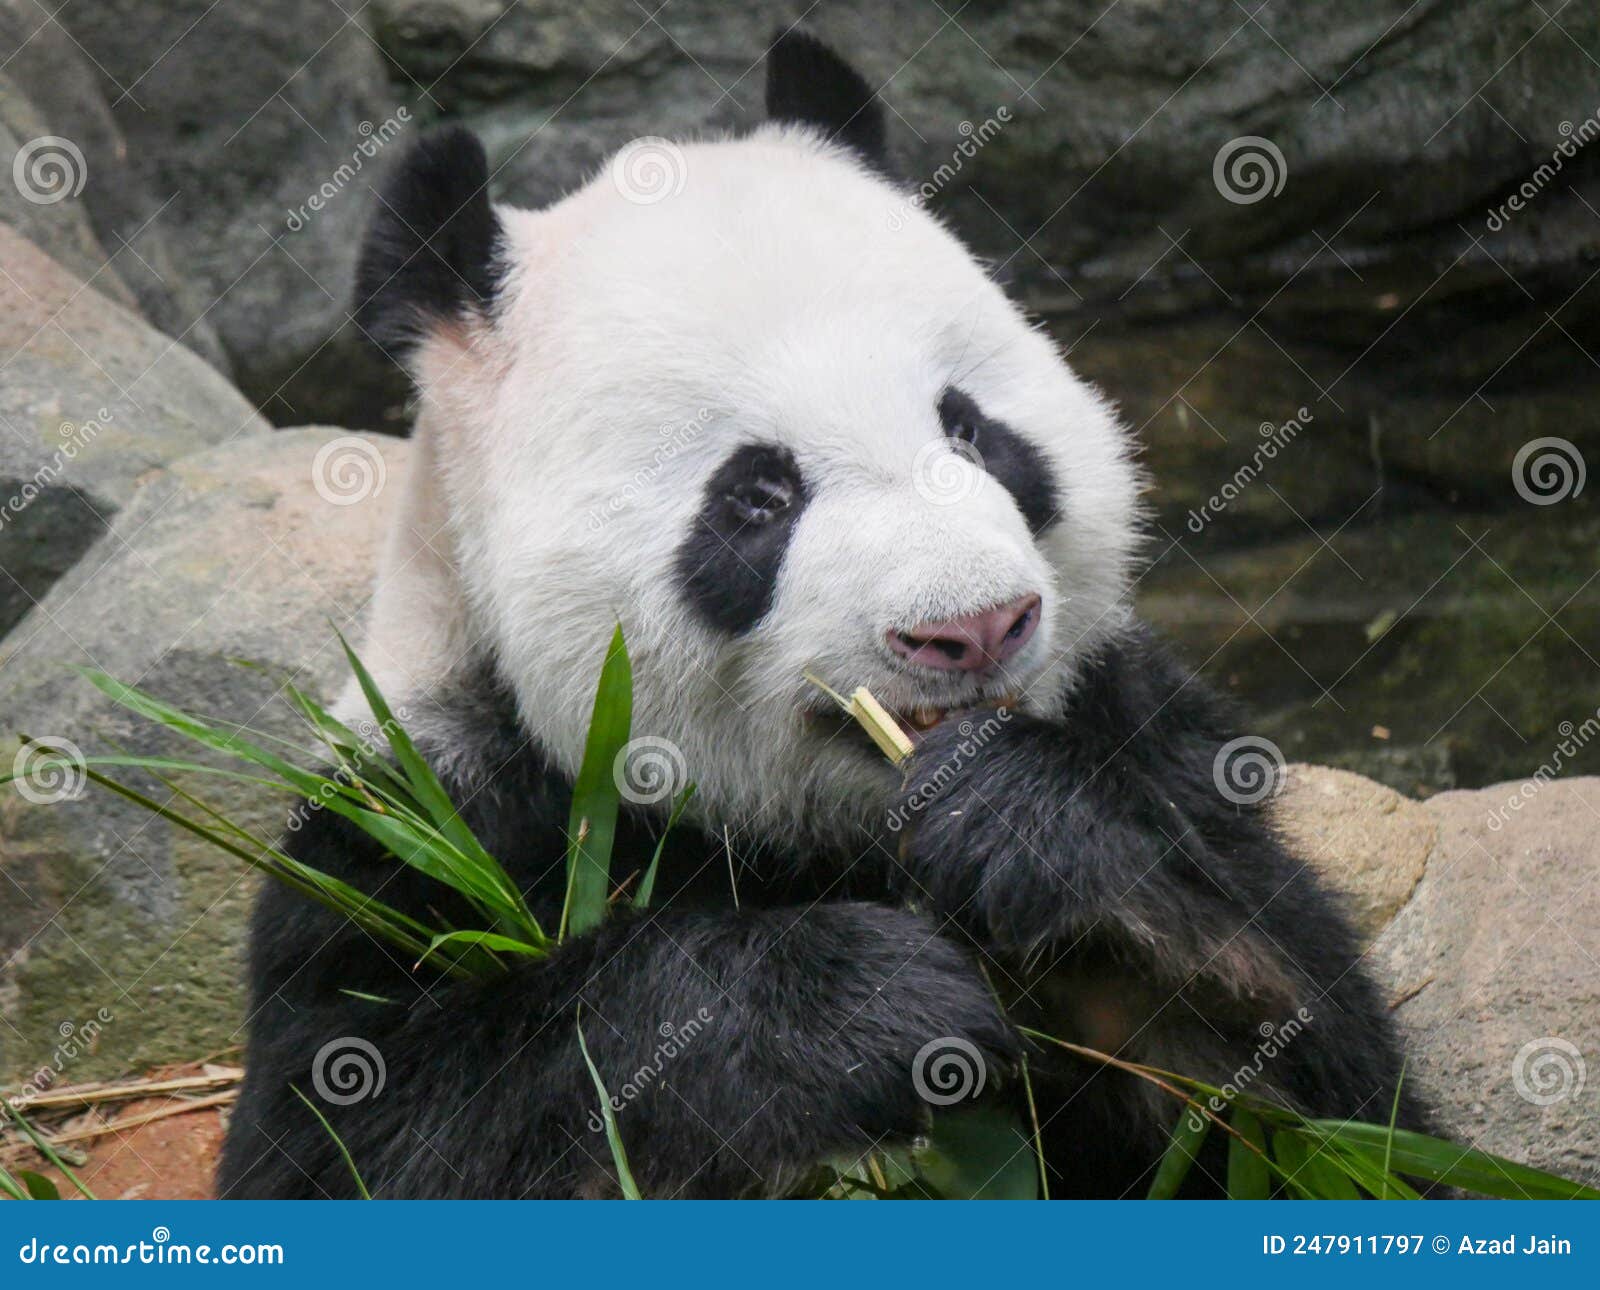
[(973, 643)]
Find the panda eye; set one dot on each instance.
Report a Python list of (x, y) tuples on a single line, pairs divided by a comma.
[(760, 500), (960, 417)]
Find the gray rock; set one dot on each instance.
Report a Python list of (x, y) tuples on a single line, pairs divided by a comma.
[(93, 398), (235, 132), (231, 554), (1493, 962), (126, 255)]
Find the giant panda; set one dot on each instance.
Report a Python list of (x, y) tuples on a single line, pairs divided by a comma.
[(773, 419)]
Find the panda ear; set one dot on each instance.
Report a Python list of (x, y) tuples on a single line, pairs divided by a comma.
[(809, 84), (432, 250)]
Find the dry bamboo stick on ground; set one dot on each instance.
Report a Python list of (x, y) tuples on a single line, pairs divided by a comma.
[(144, 1117), (89, 1094)]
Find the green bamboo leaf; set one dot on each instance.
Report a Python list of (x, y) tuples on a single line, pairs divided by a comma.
[(1249, 1174), (647, 884), (1419, 1156), (349, 1163), (592, 823), (1191, 1130), (39, 1187), (978, 1153), (619, 1156), (44, 1149), (489, 941)]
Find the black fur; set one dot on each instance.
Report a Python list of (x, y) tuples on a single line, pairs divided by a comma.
[(1014, 462), (729, 562), (807, 83), (812, 1016), (432, 249), (1114, 896)]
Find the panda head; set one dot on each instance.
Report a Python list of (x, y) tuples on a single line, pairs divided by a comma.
[(745, 398)]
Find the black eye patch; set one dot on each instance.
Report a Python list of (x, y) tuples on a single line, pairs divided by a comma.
[(728, 563), (1014, 463)]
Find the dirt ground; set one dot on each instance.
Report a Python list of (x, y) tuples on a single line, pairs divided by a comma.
[(171, 1157)]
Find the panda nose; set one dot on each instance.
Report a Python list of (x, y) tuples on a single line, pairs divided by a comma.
[(972, 643)]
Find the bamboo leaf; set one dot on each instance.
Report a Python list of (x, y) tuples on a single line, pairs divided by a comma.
[(592, 823), (1191, 1130), (619, 1156), (647, 884)]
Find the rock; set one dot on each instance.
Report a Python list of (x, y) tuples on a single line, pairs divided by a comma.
[(109, 232), (230, 554), (1370, 843), (256, 135), (93, 399), (1492, 963), (1423, 650)]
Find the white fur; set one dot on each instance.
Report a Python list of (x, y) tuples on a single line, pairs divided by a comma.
[(784, 295)]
